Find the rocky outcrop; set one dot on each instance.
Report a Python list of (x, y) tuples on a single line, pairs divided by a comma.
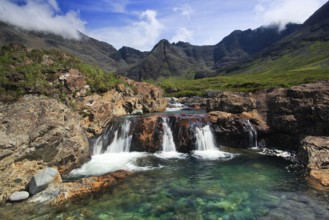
[(238, 130), (314, 153), (147, 134), (57, 194), (230, 102), (42, 129), (36, 132), (98, 110), (298, 112), (17, 176), (75, 82)]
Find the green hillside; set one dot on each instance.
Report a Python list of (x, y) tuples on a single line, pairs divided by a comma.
[(307, 64), (33, 71)]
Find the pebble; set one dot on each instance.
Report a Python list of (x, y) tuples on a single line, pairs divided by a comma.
[(19, 196)]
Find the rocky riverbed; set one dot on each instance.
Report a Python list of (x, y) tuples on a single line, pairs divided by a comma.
[(39, 132)]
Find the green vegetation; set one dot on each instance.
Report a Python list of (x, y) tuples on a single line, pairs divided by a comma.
[(308, 64), (30, 71)]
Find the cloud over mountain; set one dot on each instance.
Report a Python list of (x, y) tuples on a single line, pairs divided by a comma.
[(284, 11), (41, 15)]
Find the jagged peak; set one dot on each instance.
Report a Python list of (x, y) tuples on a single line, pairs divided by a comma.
[(322, 14)]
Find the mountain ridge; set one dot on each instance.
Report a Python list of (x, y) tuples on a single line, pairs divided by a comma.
[(183, 60)]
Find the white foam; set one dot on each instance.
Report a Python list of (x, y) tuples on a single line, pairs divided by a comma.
[(173, 109), (109, 162), (211, 154), (170, 155), (275, 152)]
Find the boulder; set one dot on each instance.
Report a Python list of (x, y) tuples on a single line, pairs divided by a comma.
[(43, 178), (231, 102), (238, 130), (298, 112), (147, 134), (57, 194), (19, 196), (135, 97), (75, 82), (137, 112), (17, 176), (314, 154), (41, 129)]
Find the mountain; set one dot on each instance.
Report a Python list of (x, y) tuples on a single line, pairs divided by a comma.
[(188, 61), (249, 51), (88, 49)]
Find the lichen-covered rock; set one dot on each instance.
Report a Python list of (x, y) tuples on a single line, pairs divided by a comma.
[(17, 176), (41, 129)]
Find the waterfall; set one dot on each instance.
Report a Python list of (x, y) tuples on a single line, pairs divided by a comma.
[(204, 138), (111, 152), (252, 134), (120, 142), (122, 139), (98, 145), (168, 144), (206, 145)]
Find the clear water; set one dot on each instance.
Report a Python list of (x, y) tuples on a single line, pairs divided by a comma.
[(247, 186)]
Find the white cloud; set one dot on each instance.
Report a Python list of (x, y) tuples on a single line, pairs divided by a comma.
[(54, 5), (41, 15), (141, 34), (185, 10), (117, 5), (285, 11), (182, 34)]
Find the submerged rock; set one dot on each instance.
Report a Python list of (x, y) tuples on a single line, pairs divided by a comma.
[(19, 196)]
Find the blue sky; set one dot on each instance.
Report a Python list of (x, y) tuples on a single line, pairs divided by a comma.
[(142, 23)]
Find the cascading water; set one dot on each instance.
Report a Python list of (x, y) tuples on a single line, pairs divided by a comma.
[(122, 139), (168, 144), (206, 145), (252, 133), (204, 138), (108, 157)]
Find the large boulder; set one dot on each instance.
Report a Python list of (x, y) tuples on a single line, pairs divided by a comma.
[(230, 102), (36, 132), (238, 130), (41, 129), (43, 178), (99, 110), (298, 112), (314, 154)]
